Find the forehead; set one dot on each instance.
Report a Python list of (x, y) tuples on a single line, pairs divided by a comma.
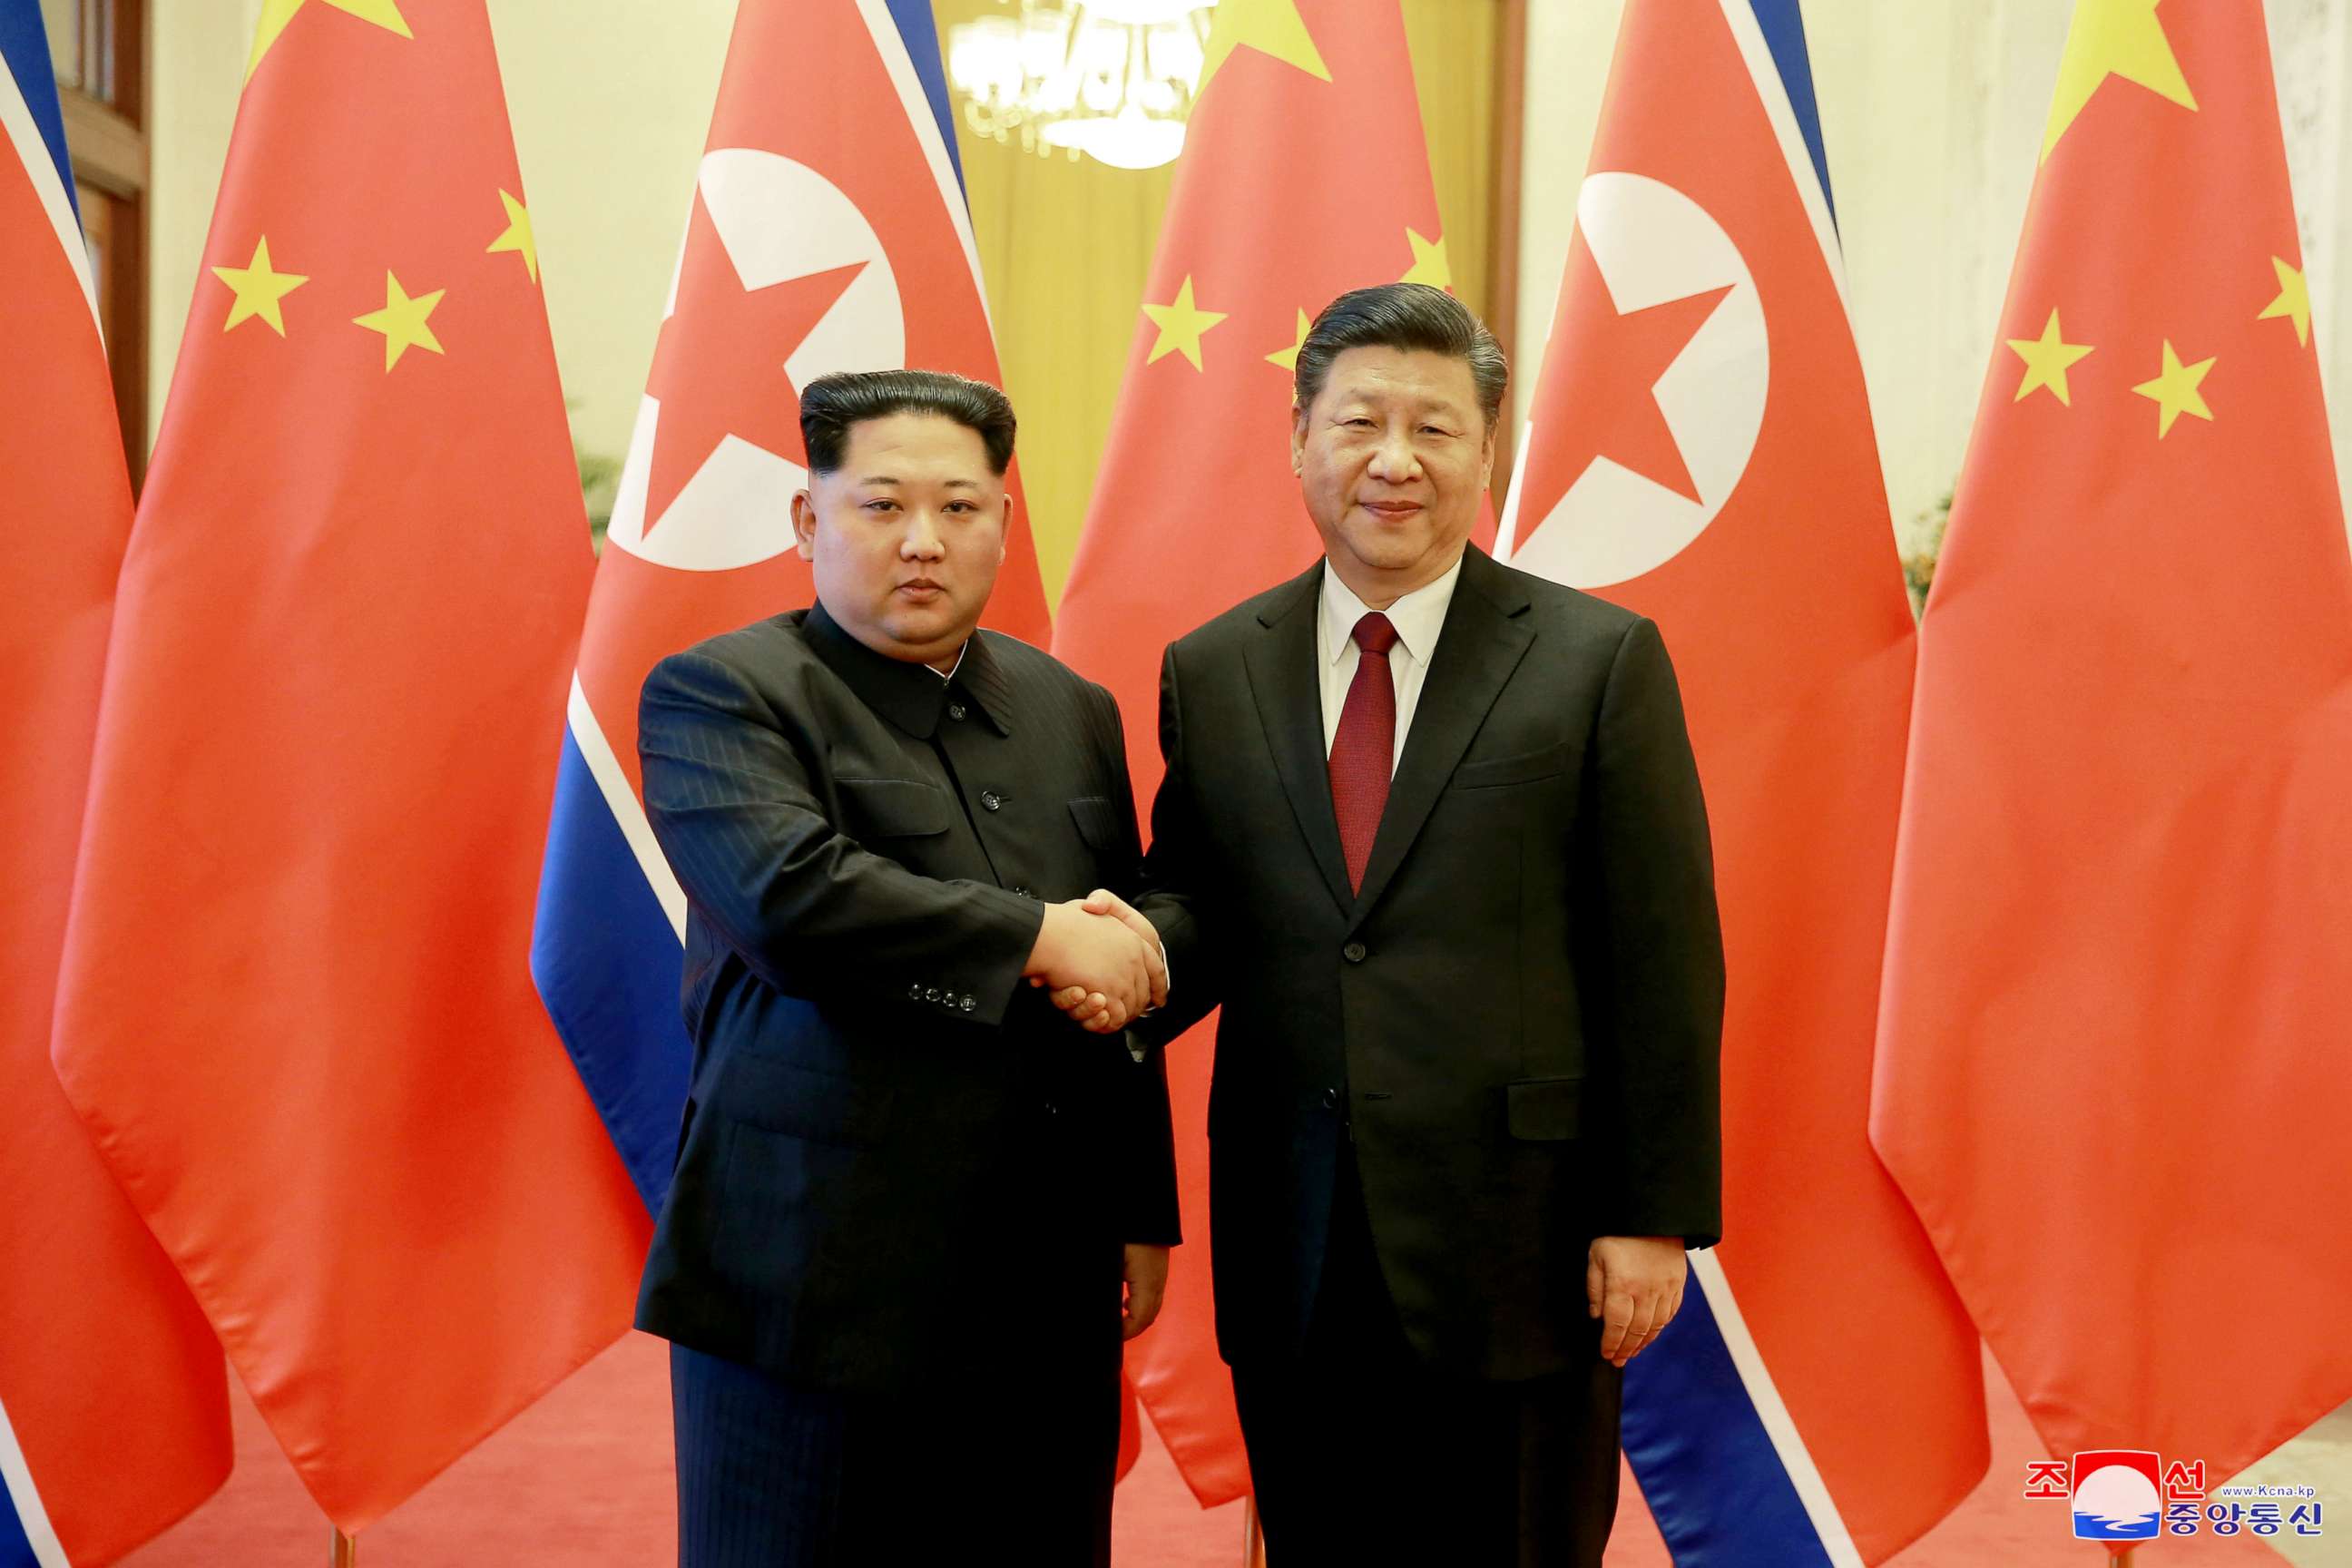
[(907, 443), (1420, 377)]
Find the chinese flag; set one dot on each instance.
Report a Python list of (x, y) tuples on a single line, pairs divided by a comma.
[(2111, 1057), (1700, 450), (113, 1402), (1304, 176), (295, 1008)]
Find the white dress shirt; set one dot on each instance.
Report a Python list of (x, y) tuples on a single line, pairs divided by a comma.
[(1418, 617)]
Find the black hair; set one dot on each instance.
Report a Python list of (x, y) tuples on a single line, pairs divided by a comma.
[(1402, 316), (832, 403)]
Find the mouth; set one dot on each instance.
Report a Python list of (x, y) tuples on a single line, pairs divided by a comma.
[(1391, 510), (921, 590)]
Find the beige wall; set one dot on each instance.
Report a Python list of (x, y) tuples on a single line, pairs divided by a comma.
[(1933, 112)]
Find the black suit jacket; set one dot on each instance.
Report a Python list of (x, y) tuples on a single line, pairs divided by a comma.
[(896, 1159), (1516, 1021)]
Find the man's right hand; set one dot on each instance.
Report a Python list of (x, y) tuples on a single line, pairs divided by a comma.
[(1096, 958)]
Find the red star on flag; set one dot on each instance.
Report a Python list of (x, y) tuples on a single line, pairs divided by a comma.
[(719, 369), (1617, 417)]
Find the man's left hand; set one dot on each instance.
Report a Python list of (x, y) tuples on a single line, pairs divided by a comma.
[(1634, 1284), (1147, 1286)]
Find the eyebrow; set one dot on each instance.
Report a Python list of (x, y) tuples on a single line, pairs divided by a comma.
[(892, 480)]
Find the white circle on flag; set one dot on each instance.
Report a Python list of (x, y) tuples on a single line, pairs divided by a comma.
[(1652, 244), (779, 220)]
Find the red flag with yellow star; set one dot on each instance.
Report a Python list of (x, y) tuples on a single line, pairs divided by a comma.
[(295, 1008), (1196, 508), (2110, 1069)]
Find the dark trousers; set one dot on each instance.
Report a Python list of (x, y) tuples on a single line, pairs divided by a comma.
[(774, 1476), (1361, 1454)]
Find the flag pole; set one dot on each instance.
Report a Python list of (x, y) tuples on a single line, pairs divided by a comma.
[(342, 1552), (1253, 1538)]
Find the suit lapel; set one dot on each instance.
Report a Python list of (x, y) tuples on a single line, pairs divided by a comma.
[(1281, 661), (1485, 637)]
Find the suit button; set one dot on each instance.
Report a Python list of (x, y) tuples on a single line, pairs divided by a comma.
[(1052, 1109), (1353, 953), (967, 1004), (930, 992), (1023, 892), (1330, 1100), (990, 799), (955, 710), (914, 992)]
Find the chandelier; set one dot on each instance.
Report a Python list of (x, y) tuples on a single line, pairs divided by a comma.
[(1110, 79)]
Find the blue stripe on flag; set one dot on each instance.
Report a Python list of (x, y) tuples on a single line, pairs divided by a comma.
[(1708, 1470), (25, 52), (16, 1551), (607, 963), (1783, 26), (921, 35)]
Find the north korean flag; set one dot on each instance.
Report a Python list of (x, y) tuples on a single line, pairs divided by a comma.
[(827, 231), (1700, 450)]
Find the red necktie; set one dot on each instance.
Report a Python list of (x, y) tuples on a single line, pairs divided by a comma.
[(1364, 750)]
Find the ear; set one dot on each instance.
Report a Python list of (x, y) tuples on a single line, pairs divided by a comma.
[(1486, 454), (1297, 440), (1004, 533), (804, 525)]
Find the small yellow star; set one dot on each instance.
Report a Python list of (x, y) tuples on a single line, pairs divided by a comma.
[(403, 321), (518, 235), (276, 14), (2046, 359), (2114, 37), (1181, 324), (1429, 264), (1288, 358), (2294, 301), (1270, 26), (2175, 392), (258, 288)]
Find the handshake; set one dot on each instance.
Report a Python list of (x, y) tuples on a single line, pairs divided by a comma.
[(1103, 961)]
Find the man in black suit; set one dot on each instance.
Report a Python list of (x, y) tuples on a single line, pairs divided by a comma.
[(1432, 835), (907, 1189)]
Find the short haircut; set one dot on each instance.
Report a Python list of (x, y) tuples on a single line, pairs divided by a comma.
[(832, 403), (1412, 316)]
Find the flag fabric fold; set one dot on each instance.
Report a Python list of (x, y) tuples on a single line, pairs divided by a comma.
[(827, 232), (295, 1008), (2118, 993), (1700, 448), (1304, 175), (94, 1322)]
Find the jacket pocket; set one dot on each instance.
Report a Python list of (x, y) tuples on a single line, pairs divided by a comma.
[(1544, 1109), (1097, 821), (894, 808), (778, 1096), (1525, 767)]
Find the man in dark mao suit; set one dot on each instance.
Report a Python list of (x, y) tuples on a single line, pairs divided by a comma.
[(1432, 835), (907, 1190)]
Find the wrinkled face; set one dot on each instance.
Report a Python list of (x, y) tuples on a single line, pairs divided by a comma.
[(906, 536), (1393, 459)]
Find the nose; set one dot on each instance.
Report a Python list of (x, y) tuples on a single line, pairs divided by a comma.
[(921, 541), (1394, 460)]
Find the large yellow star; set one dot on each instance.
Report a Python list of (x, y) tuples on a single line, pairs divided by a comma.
[(1429, 264), (258, 288), (2175, 392), (403, 321), (2294, 301), (1288, 358), (2046, 359), (1270, 26), (518, 235), (2114, 37), (276, 14), (1181, 324)]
